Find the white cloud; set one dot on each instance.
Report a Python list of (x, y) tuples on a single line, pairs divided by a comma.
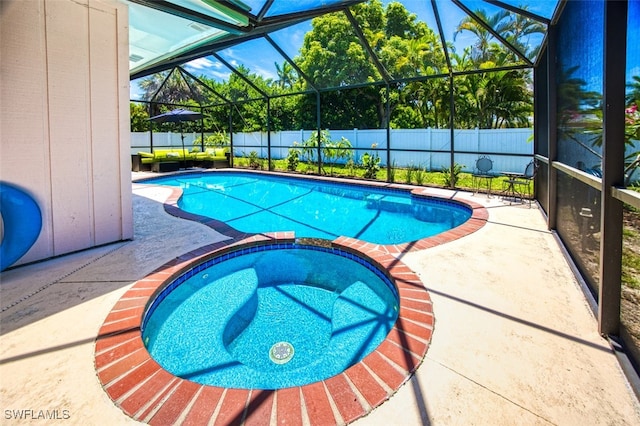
[(135, 92), (209, 68), (202, 63), (265, 73), (219, 75)]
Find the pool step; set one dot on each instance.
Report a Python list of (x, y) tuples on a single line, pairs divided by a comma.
[(239, 291), (389, 203)]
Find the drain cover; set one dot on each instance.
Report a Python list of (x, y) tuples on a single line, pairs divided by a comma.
[(281, 352)]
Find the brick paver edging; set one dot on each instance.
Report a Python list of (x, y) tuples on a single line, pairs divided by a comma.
[(148, 393)]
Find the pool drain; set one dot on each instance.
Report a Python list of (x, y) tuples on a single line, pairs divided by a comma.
[(281, 352)]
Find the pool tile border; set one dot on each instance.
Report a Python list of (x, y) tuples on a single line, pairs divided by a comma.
[(147, 393)]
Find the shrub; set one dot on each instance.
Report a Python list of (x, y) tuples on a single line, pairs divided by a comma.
[(330, 150), (351, 167), (254, 161), (421, 174), (371, 164), (217, 140), (410, 170), (451, 179), (293, 158), (392, 172)]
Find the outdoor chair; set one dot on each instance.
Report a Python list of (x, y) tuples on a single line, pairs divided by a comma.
[(521, 185), (482, 173)]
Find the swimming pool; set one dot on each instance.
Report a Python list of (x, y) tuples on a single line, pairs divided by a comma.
[(270, 317), (256, 203), (133, 380)]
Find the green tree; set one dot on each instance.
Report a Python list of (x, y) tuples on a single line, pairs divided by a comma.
[(399, 23), (423, 104), (493, 100), (332, 56), (248, 109), (139, 117)]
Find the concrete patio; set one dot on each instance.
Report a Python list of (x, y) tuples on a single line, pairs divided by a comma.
[(515, 340)]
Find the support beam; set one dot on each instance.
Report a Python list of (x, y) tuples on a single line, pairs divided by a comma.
[(552, 111), (319, 123), (388, 132), (452, 110), (268, 134), (615, 37)]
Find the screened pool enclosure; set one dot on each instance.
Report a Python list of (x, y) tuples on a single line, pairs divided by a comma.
[(413, 87)]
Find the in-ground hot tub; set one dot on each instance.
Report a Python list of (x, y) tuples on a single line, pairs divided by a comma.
[(270, 316)]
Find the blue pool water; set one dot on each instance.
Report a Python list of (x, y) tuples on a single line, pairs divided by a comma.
[(256, 203), (270, 317)]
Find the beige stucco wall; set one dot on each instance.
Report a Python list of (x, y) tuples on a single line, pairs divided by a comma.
[(64, 125)]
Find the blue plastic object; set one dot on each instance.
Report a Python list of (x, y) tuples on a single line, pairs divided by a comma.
[(22, 223)]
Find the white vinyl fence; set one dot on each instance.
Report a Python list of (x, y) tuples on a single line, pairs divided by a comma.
[(510, 149)]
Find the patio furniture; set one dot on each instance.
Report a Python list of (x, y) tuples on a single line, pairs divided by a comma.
[(518, 185), (164, 159), (165, 166), (481, 173)]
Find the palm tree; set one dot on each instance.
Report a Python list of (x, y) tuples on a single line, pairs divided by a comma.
[(166, 88), (633, 97), (520, 27), (515, 28), (286, 76), (151, 84), (494, 99), (499, 22)]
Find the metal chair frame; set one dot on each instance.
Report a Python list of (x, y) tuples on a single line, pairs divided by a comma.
[(482, 173), (523, 181)]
